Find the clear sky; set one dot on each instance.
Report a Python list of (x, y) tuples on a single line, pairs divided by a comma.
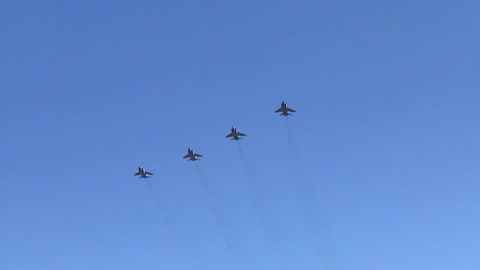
[(378, 169)]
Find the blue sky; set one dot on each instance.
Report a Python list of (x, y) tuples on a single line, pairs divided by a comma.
[(378, 169)]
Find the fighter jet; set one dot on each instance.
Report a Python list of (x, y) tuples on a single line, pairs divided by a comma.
[(192, 155), (143, 173), (235, 134), (284, 109)]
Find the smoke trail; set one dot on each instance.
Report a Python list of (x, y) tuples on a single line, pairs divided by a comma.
[(291, 142), (166, 220), (262, 212), (322, 246), (246, 165), (251, 183), (220, 218)]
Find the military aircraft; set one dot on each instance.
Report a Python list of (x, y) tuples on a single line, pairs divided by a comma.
[(235, 134), (192, 155), (143, 173), (284, 109)]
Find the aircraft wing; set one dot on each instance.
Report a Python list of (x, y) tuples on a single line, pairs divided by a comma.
[(241, 134), (198, 155), (138, 173), (186, 156), (148, 173), (230, 135), (279, 110), (290, 110)]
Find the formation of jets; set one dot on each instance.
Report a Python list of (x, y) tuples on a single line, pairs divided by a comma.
[(192, 155), (284, 109), (234, 134), (143, 173)]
